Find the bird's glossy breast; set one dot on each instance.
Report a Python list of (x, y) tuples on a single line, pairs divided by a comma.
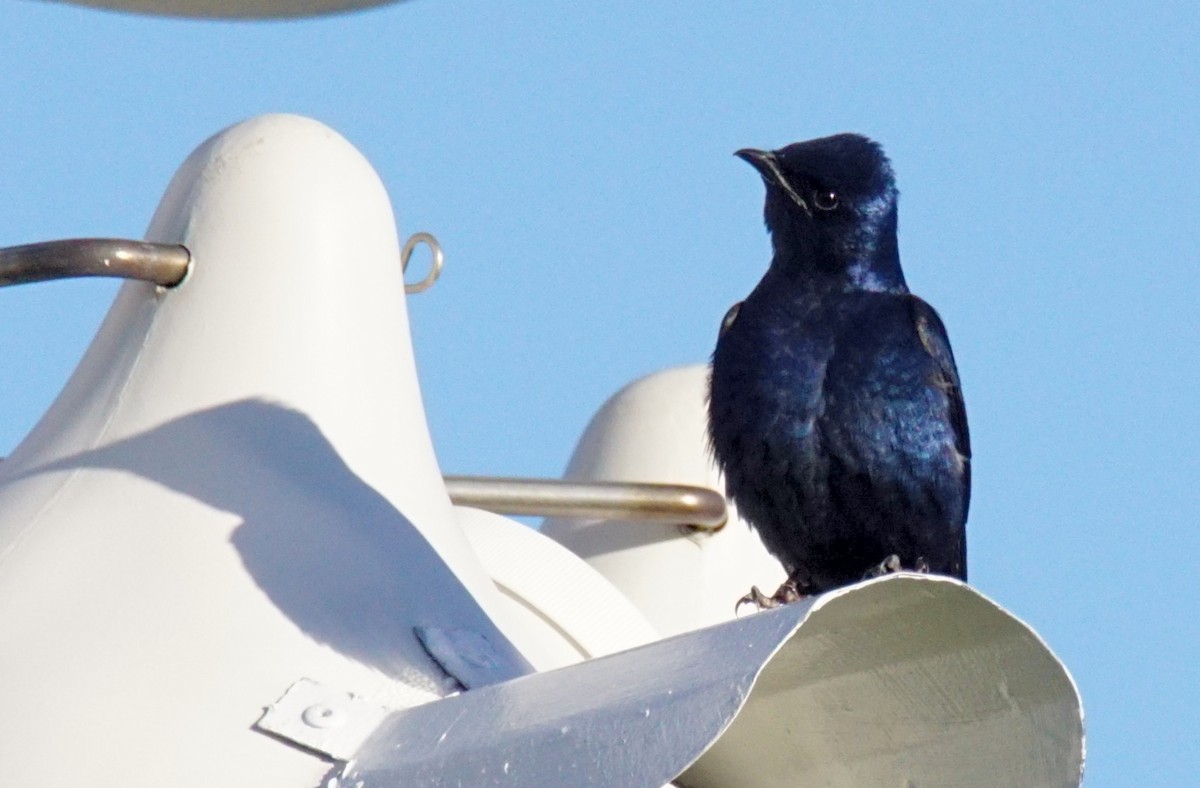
[(843, 375)]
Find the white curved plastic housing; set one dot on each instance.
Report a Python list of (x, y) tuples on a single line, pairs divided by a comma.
[(234, 9), (569, 611), (236, 489), (654, 430)]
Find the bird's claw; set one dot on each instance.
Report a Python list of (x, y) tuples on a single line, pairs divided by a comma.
[(887, 566), (756, 598), (891, 565), (785, 594)]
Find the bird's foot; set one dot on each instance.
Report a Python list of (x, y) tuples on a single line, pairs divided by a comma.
[(786, 593), (891, 565), (887, 566), (757, 598)]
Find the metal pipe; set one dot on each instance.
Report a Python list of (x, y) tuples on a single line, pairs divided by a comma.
[(698, 507), (162, 264)]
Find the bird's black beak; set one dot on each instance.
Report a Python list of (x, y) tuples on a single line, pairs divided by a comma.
[(767, 165), (758, 159)]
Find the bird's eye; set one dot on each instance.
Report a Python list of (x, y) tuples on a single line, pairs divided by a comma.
[(826, 200)]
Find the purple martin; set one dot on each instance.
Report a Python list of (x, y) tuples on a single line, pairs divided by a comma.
[(835, 410)]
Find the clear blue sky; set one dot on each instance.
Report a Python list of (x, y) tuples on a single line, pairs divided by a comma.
[(575, 161)]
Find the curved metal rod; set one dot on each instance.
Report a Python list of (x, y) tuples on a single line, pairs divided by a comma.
[(162, 264), (680, 504)]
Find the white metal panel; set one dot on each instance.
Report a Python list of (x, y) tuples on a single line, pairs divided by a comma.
[(906, 680), (654, 430), (235, 490)]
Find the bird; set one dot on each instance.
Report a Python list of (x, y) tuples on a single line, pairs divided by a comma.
[(835, 411)]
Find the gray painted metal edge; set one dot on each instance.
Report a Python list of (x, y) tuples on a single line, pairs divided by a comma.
[(902, 680)]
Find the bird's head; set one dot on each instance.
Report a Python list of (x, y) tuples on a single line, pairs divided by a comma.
[(831, 210)]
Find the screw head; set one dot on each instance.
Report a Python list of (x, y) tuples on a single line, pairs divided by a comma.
[(320, 715)]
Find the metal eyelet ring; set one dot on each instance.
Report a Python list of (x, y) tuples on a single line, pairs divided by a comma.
[(435, 270)]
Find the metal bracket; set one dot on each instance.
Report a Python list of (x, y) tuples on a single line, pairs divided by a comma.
[(470, 658), (323, 719)]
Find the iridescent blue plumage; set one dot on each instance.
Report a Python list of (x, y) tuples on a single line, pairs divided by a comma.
[(835, 409)]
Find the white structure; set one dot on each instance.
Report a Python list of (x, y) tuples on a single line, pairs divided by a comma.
[(653, 430), (234, 507), (234, 9)]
